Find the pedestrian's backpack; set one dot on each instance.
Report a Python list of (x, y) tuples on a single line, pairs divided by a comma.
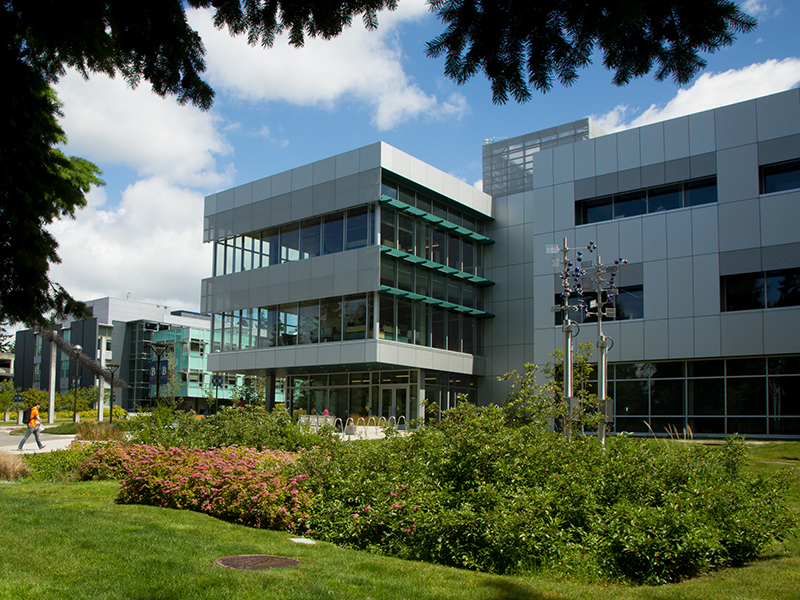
[(26, 416)]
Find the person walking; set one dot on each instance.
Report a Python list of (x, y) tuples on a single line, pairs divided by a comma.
[(33, 427)]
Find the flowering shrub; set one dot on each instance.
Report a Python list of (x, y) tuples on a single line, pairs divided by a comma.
[(242, 485)]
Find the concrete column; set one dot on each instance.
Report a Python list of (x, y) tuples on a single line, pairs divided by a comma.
[(101, 383), (51, 412)]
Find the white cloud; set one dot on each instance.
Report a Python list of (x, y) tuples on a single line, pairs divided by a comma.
[(150, 245), (109, 122), (362, 65), (754, 7), (711, 91)]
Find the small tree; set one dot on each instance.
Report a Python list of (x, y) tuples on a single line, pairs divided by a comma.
[(537, 395), (171, 391)]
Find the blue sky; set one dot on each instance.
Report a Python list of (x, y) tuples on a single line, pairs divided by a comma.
[(283, 107)]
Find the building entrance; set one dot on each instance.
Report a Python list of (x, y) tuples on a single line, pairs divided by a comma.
[(394, 404)]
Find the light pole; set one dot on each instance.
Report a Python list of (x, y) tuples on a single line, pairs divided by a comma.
[(571, 284), (78, 349), (112, 368), (160, 348)]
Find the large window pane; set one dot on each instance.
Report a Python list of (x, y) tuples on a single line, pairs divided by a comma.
[(355, 317), (703, 191), (357, 228), (288, 324), (747, 396), (667, 197), (331, 319), (667, 397), (454, 251), (630, 204), (290, 242), (421, 324), (743, 292), (423, 240), (779, 178), (423, 279), (333, 233), (309, 322), (267, 321), (405, 234), (405, 319), (219, 251), (629, 303), (783, 288), (270, 246), (784, 396), (405, 276), (438, 328), (467, 334), (438, 246), (705, 396), (594, 211), (387, 323), (388, 227), (468, 257), (388, 271), (632, 398), (311, 235)]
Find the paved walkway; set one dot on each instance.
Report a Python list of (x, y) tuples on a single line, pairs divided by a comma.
[(10, 442)]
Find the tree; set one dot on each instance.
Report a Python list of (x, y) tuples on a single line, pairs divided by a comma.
[(537, 394), (524, 44), (516, 43)]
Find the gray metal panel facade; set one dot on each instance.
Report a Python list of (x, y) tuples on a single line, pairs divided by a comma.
[(680, 254)]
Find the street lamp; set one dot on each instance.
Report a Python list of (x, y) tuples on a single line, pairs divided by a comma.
[(78, 349), (160, 348), (112, 368)]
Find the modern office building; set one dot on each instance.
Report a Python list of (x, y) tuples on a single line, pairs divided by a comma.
[(368, 282), (120, 333)]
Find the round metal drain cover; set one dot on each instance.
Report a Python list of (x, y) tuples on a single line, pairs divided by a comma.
[(256, 562)]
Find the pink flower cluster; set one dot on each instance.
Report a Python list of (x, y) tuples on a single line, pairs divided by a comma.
[(237, 484)]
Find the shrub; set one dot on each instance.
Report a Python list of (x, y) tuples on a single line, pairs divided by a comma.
[(59, 465), (12, 467), (478, 493), (236, 484), (231, 426)]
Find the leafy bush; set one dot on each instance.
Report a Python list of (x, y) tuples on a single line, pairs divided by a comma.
[(475, 492), (12, 467), (236, 484), (59, 465), (231, 426)]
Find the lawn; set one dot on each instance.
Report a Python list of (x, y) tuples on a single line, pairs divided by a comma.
[(71, 541)]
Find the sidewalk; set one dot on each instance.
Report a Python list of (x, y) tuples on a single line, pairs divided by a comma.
[(10, 442)]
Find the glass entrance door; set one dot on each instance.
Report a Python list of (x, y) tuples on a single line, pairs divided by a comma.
[(394, 405)]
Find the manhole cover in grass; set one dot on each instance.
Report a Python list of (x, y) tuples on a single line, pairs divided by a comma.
[(256, 562)]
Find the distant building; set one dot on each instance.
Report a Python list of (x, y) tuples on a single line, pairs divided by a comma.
[(6, 366), (119, 333), (370, 282)]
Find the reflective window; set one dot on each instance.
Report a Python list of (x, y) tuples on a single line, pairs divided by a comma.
[(311, 237), (290, 242), (333, 233), (331, 319), (355, 317), (308, 332), (287, 325), (780, 177), (648, 200), (357, 227), (752, 291)]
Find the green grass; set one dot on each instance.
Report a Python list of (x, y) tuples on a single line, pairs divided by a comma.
[(80, 544)]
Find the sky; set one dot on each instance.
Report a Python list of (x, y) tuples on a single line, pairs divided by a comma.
[(275, 109)]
